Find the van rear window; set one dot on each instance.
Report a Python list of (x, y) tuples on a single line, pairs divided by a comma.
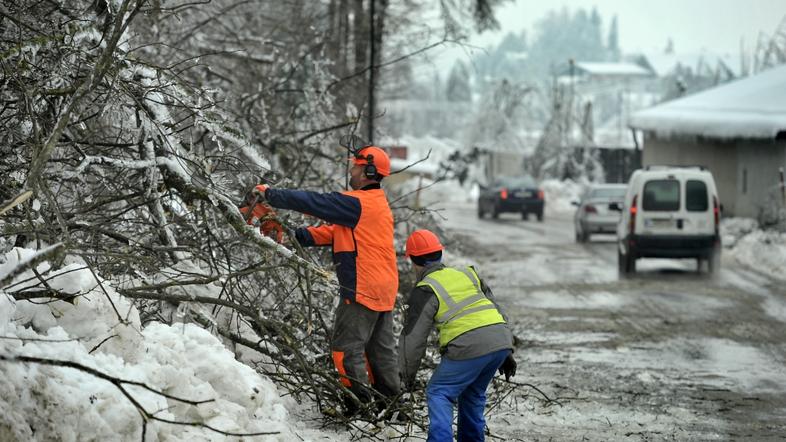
[(661, 195), (696, 198)]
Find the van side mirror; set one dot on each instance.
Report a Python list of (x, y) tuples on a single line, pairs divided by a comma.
[(615, 206)]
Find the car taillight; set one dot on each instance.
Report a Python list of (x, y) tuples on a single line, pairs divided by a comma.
[(590, 209), (503, 193), (716, 211), (540, 194), (633, 210)]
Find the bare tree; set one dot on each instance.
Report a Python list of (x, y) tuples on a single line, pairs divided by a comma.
[(134, 127)]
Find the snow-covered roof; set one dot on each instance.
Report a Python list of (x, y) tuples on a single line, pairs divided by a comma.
[(603, 68), (614, 138), (753, 107)]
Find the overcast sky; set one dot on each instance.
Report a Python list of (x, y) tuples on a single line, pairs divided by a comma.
[(645, 25)]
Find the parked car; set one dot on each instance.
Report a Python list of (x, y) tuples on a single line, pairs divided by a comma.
[(593, 214), (669, 212), (511, 194)]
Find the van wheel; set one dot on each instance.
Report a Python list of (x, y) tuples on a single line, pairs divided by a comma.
[(713, 262), (540, 216), (480, 211), (494, 212), (627, 265)]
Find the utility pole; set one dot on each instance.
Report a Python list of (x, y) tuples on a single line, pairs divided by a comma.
[(371, 73)]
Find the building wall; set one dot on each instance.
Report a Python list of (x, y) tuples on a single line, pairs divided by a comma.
[(758, 181), (746, 171), (717, 156)]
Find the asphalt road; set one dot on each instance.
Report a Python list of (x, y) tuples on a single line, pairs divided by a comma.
[(669, 354)]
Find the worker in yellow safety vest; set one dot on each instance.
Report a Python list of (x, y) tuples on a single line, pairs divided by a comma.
[(474, 339)]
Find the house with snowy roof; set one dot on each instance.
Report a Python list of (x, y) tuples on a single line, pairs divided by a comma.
[(586, 70), (736, 130)]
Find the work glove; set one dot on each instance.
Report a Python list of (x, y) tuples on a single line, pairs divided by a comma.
[(508, 367), (259, 191), (257, 213)]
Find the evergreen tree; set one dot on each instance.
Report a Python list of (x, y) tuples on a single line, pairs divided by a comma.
[(513, 43), (613, 46), (669, 46), (562, 36), (458, 88)]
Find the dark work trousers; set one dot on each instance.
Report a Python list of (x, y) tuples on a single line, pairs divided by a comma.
[(364, 350)]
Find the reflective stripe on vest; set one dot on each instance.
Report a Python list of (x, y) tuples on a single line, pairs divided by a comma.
[(462, 304)]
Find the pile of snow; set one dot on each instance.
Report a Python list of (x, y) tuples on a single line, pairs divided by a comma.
[(102, 330), (761, 250), (732, 229)]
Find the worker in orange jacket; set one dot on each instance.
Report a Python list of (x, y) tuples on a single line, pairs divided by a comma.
[(359, 228)]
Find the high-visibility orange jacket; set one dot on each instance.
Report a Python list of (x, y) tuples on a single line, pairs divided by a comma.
[(360, 230)]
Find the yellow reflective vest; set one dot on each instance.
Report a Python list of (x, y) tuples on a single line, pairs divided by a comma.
[(462, 304)]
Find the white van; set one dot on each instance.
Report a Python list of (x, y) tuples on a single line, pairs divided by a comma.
[(669, 212)]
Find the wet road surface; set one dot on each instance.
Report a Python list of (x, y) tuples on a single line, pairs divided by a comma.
[(668, 354)]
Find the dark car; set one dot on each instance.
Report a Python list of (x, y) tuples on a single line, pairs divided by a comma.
[(511, 194)]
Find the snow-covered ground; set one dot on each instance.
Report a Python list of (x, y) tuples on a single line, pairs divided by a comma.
[(102, 331), (761, 250)]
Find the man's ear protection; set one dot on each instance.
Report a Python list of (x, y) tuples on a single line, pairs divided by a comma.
[(370, 169)]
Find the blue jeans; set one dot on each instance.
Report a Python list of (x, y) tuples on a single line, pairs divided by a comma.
[(464, 382)]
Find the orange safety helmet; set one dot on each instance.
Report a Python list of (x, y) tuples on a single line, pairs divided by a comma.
[(422, 242), (380, 159)]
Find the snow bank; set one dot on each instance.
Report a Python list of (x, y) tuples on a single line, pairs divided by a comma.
[(102, 330), (761, 250)]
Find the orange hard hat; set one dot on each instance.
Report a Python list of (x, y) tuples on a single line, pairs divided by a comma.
[(422, 242), (380, 159)]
